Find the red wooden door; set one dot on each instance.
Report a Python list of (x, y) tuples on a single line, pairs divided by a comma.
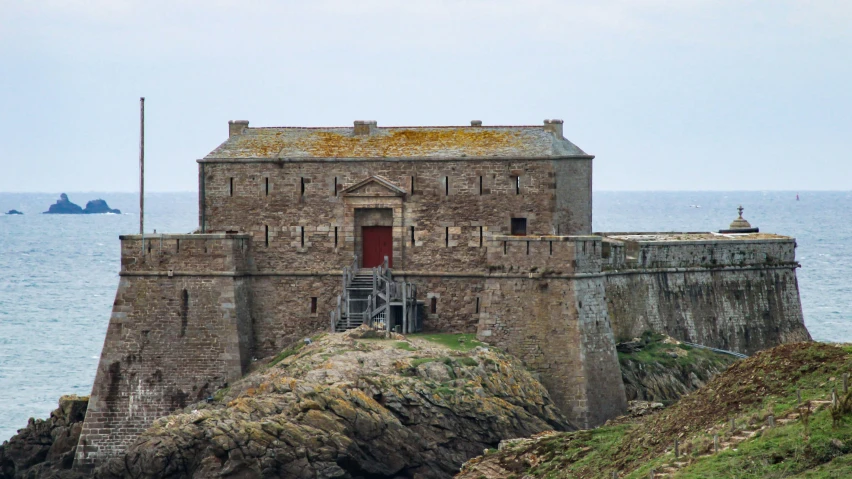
[(377, 243)]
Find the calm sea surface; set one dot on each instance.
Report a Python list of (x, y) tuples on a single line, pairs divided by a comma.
[(58, 274)]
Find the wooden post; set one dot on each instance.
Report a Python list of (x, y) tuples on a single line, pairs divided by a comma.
[(404, 310), (142, 171), (716, 443), (676, 449), (652, 474), (771, 419), (733, 426), (845, 382), (834, 397), (798, 396)]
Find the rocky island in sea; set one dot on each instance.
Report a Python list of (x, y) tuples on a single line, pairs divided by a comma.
[(64, 206), (13, 212)]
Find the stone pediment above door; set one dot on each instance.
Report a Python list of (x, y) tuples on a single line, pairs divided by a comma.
[(374, 186)]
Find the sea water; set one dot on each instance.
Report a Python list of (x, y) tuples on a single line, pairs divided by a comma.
[(59, 273)]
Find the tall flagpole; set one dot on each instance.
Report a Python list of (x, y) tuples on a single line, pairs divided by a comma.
[(142, 169)]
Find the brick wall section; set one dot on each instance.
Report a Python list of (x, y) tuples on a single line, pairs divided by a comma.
[(171, 341), (737, 309)]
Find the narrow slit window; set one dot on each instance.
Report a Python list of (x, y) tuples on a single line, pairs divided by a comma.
[(302, 187), (177, 246), (518, 185), (314, 305), (480, 186), (481, 236), (551, 247), (184, 311), (528, 247), (447, 236), (519, 226), (412, 236), (446, 186), (303, 236), (433, 305), (335, 236), (266, 235), (335, 186), (477, 305), (412, 184), (505, 248), (205, 246), (231, 186), (266, 186)]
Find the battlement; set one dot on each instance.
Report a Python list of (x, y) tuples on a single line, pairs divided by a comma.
[(545, 255), (180, 254), (695, 250)]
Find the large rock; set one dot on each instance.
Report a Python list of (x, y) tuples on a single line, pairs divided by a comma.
[(64, 206), (349, 407), (45, 448), (98, 207), (13, 212)]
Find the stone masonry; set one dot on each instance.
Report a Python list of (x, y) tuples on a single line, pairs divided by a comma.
[(491, 224)]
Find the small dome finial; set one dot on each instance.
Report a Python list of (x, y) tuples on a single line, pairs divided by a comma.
[(740, 210), (740, 225)]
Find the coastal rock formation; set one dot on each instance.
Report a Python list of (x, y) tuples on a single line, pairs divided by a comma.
[(656, 367), (13, 212), (349, 406), (64, 206), (99, 206), (45, 448)]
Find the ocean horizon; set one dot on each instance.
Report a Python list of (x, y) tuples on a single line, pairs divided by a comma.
[(59, 273)]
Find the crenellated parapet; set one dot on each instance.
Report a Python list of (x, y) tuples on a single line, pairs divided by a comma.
[(183, 254)]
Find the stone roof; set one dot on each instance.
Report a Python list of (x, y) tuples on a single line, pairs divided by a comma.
[(396, 142)]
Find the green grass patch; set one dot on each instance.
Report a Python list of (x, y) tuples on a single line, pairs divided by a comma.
[(285, 354), (404, 345), (451, 341)]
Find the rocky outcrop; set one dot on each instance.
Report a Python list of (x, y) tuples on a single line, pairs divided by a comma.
[(348, 406), (64, 206), (45, 448), (13, 212), (98, 207), (655, 367)]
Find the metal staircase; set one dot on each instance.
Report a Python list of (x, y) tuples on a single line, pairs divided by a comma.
[(371, 296)]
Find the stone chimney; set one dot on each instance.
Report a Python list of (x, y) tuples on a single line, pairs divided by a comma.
[(554, 126), (236, 127), (475, 122), (365, 127)]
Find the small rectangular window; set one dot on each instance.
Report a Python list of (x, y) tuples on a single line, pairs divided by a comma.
[(477, 305), (184, 311), (302, 190), (231, 187), (314, 305), (447, 236), (266, 235), (335, 186), (446, 186), (481, 235), (505, 248), (177, 246), (551, 247), (266, 185), (519, 226), (335, 236), (433, 305), (528, 247), (518, 185), (412, 236), (303, 236)]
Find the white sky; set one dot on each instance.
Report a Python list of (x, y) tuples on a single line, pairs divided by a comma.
[(669, 94)]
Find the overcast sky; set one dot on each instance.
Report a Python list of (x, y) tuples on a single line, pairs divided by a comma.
[(668, 94)]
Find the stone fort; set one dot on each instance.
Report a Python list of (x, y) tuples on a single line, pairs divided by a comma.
[(473, 229)]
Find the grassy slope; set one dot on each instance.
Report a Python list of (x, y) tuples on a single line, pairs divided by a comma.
[(748, 391)]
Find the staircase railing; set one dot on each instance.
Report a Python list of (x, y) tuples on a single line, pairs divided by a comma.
[(376, 311)]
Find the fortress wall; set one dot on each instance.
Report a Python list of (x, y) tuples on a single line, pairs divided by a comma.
[(743, 309), (682, 254), (556, 321), (171, 341), (430, 210)]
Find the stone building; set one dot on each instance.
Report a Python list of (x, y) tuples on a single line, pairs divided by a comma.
[(487, 227)]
